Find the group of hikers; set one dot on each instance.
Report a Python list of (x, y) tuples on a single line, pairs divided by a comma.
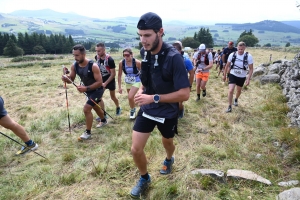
[(158, 84)]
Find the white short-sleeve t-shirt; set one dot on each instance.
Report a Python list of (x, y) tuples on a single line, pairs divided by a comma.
[(238, 68)]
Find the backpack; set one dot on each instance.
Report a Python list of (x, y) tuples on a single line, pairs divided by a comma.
[(106, 66), (90, 73), (206, 61), (135, 70), (245, 60)]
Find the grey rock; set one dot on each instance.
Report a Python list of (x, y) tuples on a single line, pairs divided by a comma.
[(247, 175), (258, 71), (289, 183), (291, 194), (258, 156), (273, 69), (274, 78), (212, 172)]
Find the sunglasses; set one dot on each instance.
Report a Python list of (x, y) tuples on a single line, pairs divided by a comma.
[(126, 55)]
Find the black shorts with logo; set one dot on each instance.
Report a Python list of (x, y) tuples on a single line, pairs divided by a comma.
[(3, 112), (96, 95), (145, 125)]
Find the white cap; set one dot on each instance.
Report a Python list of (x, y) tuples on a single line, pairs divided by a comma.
[(202, 47), (178, 43)]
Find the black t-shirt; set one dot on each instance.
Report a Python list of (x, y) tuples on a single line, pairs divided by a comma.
[(228, 51), (105, 67), (174, 69)]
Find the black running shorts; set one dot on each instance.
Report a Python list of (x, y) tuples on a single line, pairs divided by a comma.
[(95, 95), (111, 85), (145, 125), (236, 80)]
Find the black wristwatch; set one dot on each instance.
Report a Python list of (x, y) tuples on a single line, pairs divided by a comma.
[(88, 88), (156, 98)]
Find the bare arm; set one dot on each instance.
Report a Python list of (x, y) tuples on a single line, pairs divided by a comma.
[(97, 77), (120, 76), (191, 76), (174, 97), (138, 64), (249, 74)]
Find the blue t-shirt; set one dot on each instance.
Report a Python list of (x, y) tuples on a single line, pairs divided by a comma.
[(3, 112), (175, 70), (188, 63)]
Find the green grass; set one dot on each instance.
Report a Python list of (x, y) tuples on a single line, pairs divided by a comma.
[(103, 168)]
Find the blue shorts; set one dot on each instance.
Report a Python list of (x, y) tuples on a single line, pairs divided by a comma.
[(3, 112), (145, 125)]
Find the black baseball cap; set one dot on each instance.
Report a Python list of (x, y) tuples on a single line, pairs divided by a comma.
[(149, 20)]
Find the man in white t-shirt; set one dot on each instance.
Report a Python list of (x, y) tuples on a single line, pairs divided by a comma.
[(237, 65)]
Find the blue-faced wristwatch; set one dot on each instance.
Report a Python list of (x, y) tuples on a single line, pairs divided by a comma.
[(156, 98)]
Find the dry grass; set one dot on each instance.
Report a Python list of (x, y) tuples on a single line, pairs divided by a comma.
[(102, 168)]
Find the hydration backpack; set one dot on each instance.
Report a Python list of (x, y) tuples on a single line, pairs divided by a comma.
[(206, 61), (135, 70), (245, 60)]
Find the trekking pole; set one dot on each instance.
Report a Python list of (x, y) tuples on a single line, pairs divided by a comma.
[(22, 145), (88, 97), (67, 102)]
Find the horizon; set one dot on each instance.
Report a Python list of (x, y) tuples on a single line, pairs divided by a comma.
[(176, 11)]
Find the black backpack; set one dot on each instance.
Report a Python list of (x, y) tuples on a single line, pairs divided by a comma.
[(135, 70), (245, 60)]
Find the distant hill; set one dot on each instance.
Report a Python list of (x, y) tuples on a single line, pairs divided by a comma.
[(46, 14), (1, 17), (266, 25), (292, 23)]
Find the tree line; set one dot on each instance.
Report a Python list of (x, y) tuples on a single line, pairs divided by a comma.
[(204, 36), (26, 44)]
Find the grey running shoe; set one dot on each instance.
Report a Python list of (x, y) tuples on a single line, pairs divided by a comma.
[(235, 103), (85, 136), (118, 111), (27, 149)]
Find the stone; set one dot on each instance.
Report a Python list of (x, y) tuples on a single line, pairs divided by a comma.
[(291, 194), (274, 78), (247, 175), (289, 183), (211, 172)]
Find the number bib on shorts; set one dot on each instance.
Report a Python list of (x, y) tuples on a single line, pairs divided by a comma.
[(130, 79)]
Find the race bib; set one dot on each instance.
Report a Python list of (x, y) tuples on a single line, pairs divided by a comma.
[(157, 119), (238, 71), (129, 79)]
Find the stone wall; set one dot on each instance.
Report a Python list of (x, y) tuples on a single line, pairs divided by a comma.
[(287, 74)]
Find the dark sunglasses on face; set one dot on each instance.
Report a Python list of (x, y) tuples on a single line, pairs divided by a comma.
[(126, 55)]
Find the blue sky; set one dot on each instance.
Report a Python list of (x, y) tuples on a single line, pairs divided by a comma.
[(207, 12)]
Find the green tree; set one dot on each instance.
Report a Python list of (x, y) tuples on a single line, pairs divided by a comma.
[(287, 44), (250, 40), (190, 42), (38, 49), (27, 44), (12, 50), (204, 36), (268, 45)]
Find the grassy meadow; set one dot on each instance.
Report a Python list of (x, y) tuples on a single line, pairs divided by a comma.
[(103, 168)]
